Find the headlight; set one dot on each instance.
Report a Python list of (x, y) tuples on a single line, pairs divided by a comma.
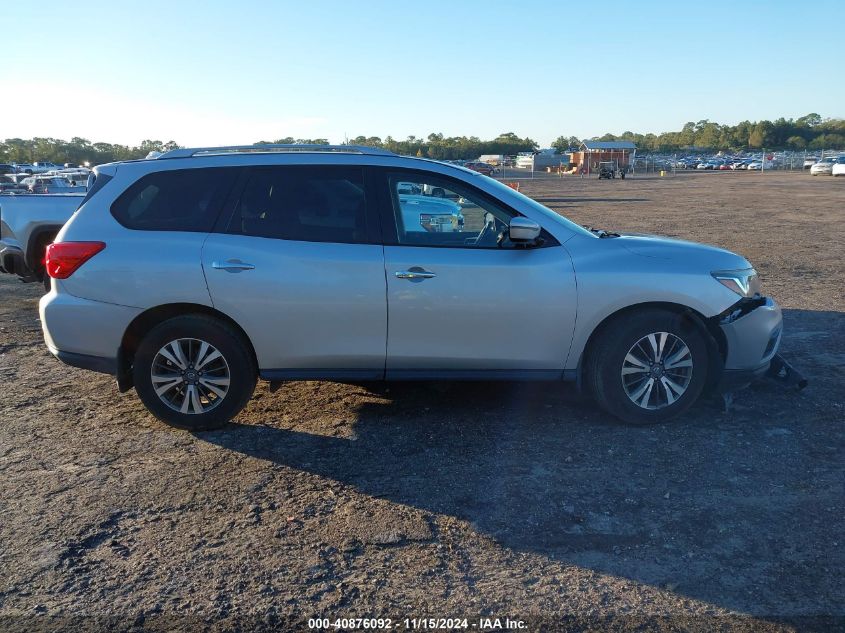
[(745, 283)]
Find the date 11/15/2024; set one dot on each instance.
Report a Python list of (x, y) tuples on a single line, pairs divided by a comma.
[(417, 624)]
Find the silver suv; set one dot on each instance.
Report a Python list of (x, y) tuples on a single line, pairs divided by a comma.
[(191, 275)]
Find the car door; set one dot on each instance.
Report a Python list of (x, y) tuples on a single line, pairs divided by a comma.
[(464, 304), (298, 264)]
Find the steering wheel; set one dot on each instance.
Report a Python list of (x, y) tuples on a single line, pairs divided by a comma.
[(502, 238), (486, 231)]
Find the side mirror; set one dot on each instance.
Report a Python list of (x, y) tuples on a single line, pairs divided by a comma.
[(522, 230)]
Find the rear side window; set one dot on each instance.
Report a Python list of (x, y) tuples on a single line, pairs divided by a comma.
[(310, 204), (179, 200)]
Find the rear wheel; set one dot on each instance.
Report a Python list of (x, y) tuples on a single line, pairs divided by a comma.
[(647, 367), (194, 372)]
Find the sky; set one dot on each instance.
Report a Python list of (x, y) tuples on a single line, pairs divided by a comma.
[(235, 72)]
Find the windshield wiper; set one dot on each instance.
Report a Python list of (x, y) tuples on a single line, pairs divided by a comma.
[(601, 232)]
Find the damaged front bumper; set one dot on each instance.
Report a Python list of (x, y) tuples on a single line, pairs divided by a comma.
[(752, 330)]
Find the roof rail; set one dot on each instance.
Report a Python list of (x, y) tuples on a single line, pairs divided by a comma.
[(273, 149)]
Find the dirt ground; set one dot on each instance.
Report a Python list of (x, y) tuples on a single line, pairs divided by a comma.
[(452, 500)]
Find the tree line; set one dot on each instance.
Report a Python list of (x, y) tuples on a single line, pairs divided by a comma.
[(77, 151), (438, 146), (807, 132)]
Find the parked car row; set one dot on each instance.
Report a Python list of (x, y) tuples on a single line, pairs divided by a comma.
[(739, 161), (830, 166), (731, 164), (40, 167), (809, 161), (62, 180)]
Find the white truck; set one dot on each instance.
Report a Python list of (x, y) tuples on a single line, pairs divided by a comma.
[(44, 166), (28, 223)]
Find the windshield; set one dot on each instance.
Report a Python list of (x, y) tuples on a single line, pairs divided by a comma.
[(575, 228)]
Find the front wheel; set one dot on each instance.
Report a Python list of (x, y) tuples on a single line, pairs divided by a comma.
[(648, 367), (194, 372)]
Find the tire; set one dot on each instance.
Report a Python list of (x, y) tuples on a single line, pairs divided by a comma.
[(235, 365), (615, 382)]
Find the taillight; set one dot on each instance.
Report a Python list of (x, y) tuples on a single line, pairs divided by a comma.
[(63, 258)]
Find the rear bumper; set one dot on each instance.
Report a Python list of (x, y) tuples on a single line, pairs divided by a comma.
[(84, 361), (84, 333)]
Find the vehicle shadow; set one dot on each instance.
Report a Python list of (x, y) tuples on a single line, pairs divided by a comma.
[(737, 509)]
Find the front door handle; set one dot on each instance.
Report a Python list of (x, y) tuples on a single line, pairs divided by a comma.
[(232, 265), (414, 273)]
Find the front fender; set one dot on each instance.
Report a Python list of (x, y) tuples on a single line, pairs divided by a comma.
[(610, 279)]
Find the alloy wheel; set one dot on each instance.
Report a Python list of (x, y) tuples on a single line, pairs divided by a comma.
[(657, 370), (190, 376)]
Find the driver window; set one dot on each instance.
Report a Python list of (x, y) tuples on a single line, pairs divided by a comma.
[(434, 212)]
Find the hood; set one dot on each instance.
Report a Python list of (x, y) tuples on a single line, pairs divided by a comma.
[(689, 253)]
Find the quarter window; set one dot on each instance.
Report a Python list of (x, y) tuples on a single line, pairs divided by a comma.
[(325, 204), (178, 200)]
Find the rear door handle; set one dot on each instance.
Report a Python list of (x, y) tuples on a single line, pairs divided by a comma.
[(232, 265), (414, 273)]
